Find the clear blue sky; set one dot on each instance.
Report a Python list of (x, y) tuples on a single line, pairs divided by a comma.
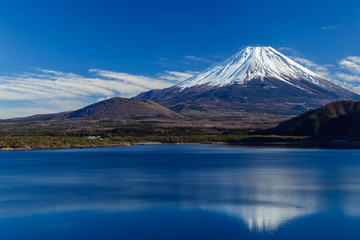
[(157, 38)]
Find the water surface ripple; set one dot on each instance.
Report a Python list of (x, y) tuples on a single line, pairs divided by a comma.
[(180, 192)]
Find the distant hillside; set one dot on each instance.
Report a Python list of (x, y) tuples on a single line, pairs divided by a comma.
[(340, 119), (124, 108), (111, 108)]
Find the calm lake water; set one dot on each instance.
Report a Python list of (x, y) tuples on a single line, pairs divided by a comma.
[(180, 192)]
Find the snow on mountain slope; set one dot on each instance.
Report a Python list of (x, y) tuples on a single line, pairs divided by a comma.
[(255, 80), (255, 63)]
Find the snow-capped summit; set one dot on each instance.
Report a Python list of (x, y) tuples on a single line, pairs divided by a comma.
[(253, 63), (254, 80)]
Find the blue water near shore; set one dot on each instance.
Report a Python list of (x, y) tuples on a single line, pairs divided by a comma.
[(180, 192)]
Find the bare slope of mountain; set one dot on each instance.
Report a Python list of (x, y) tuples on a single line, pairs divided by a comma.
[(257, 79), (340, 118), (124, 108), (109, 109)]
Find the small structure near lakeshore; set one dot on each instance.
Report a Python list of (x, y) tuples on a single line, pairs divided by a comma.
[(94, 137)]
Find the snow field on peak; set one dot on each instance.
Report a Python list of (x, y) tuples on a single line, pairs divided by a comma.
[(254, 63)]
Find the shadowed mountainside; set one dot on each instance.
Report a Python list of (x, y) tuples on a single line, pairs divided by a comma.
[(337, 119), (253, 97)]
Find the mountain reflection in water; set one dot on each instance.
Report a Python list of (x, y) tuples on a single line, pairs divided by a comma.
[(263, 188)]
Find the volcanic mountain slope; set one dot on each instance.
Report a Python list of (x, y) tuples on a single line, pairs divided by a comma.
[(255, 80), (122, 107), (112, 108), (340, 118)]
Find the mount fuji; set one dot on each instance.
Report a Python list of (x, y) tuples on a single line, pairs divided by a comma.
[(254, 80)]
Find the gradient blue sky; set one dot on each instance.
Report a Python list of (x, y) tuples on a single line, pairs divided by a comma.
[(61, 55)]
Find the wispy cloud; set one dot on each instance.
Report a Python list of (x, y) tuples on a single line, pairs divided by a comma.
[(349, 73), (345, 73), (331, 27), (351, 63), (199, 59), (46, 91), (196, 62), (176, 77), (285, 49), (129, 82), (318, 69)]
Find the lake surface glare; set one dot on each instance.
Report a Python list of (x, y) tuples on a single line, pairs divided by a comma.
[(180, 192)]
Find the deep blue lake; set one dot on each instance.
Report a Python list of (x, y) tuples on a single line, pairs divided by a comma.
[(180, 192)]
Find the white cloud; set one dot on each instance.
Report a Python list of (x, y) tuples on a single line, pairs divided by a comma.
[(349, 78), (346, 73), (321, 70), (199, 59), (102, 99), (175, 77), (350, 74), (348, 82), (48, 91), (285, 49), (331, 27), (137, 82), (351, 64)]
